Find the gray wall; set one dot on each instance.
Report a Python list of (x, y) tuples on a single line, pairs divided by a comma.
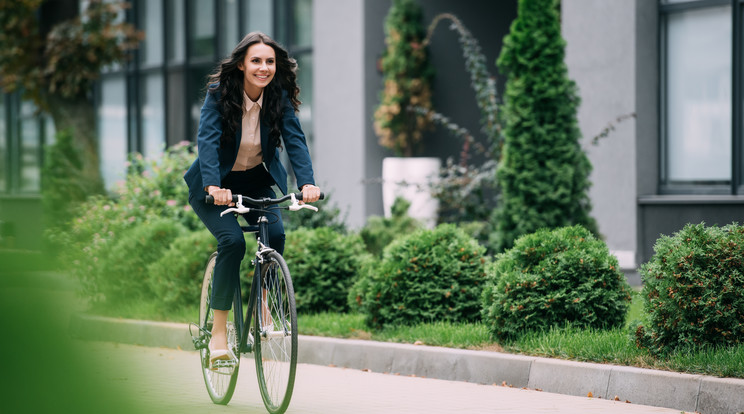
[(601, 41), (339, 150)]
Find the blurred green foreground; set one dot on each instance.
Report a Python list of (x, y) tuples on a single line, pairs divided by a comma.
[(44, 369)]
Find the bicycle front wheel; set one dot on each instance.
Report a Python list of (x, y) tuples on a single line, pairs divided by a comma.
[(276, 321), (221, 378)]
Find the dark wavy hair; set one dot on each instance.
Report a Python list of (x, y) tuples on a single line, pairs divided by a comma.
[(228, 81)]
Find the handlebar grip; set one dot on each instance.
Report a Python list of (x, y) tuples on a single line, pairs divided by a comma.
[(298, 196), (210, 200)]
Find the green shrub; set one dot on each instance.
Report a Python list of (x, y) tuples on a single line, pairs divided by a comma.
[(156, 188), (553, 278), (430, 275), (544, 173), (694, 289), (176, 277), (124, 272), (89, 238), (151, 190), (380, 231), (323, 264)]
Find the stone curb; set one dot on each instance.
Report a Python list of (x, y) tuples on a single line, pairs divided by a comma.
[(692, 393)]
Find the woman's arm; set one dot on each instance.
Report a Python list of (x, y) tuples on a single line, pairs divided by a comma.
[(208, 142), (296, 145)]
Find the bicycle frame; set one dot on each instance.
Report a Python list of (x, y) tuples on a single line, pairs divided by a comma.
[(242, 326)]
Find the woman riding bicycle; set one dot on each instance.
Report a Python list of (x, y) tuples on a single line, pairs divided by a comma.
[(251, 101)]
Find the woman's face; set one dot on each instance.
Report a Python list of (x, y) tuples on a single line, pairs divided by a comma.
[(259, 67)]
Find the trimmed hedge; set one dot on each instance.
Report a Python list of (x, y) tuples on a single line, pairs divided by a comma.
[(176, 277), (124, 275), (430, 275), (551, 278), (694, 289), (323, 264)]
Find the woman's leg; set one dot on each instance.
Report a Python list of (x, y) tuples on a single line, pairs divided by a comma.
[(230, 252)]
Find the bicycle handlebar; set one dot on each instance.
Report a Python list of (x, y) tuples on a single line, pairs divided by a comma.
[(262, 201)]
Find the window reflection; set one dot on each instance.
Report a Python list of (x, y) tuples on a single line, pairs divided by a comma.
[(112, 132), (302, 30), (176, 15), (259, 17), (699, 95), (153, 119), (30, 160), (151, 48), (305, 80), (201, 35), (229, 27)]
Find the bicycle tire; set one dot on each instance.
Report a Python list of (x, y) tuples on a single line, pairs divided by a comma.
[(276, 350), (220, 381)]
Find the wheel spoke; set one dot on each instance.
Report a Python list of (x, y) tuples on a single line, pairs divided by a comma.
[(220, 379), (276, 357)]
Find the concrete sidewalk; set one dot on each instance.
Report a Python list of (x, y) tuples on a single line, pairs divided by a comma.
[(168, 381), (686, 392)]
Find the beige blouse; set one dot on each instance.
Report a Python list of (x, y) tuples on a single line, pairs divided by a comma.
[(249, 153)]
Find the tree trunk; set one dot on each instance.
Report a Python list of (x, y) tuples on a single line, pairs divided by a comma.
[(78, 116)]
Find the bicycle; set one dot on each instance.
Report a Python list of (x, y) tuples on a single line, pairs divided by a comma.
[(271, 316)]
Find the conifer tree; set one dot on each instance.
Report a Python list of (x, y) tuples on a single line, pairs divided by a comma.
[(544, 172)]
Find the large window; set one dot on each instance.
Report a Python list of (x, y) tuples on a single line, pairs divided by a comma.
[(153, 100), (700, 136)]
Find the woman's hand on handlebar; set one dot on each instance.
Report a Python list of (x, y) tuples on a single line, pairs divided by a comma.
[(222, 196), (310, 193)]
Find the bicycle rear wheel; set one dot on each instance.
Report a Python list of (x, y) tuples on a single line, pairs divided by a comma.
[(276, 320), (220, 379)]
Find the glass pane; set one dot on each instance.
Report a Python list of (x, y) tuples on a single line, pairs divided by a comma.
[(176, 108), (305, 80), (201, 35), (259, 16), (30, 131), (229, 27), (198, 89), (699, 95), (303, 28), (153, 117), (3, 146), (176, 30), (151, 16), (112, 132)]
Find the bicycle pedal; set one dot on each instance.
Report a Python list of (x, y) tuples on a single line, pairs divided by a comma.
[(224, 363)]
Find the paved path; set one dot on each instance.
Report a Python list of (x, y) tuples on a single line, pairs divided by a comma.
[(162, 380)]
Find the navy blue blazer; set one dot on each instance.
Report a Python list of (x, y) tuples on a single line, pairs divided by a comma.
[(214, 163)]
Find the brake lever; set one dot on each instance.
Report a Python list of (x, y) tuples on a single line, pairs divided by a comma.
[(295, 206), (239, 207)]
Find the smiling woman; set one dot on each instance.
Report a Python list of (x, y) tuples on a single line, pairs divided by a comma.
[(248, 114)]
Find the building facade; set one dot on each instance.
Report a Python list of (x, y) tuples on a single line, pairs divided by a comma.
[(660, 82)]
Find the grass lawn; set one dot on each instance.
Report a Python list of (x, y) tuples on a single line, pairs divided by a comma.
[(614, 346)]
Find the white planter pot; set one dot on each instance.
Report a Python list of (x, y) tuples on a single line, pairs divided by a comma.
[(411, 178)]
